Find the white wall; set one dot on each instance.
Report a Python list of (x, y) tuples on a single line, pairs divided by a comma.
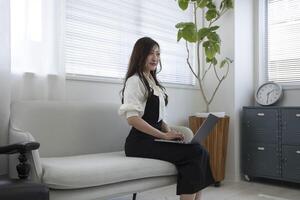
[(236, 33), (4, 77), (291, 97), (244, 73)]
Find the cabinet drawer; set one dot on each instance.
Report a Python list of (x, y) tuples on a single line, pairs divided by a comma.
[(262, 160), (291, 162), (291, 126), (261, 125)]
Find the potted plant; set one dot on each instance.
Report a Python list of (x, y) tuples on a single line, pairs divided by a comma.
[(207, 40)]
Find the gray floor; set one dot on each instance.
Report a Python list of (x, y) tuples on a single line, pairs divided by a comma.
[(229, 191)]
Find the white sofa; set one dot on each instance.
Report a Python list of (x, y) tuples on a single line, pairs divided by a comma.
[(81, 155)]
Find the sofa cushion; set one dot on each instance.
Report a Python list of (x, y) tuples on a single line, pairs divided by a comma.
[(100, 169)]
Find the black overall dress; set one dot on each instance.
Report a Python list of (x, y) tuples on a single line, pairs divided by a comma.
[(192, 161)]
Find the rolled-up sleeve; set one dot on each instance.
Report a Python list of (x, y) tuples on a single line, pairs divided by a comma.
[(134, 98)]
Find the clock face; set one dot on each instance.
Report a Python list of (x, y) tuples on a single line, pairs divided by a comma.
[(268, 93)]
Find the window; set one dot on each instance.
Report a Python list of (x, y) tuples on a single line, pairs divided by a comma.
[(283, 41), (99, 37)]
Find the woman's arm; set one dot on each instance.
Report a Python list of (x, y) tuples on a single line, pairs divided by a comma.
[(165, 127), (143, 126)]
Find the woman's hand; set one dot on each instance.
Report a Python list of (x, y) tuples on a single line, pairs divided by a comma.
[(173, 135)]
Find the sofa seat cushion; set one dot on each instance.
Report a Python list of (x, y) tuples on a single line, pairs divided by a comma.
[(100, 169)]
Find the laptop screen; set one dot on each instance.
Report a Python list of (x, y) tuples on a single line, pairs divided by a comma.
[(206, 127)]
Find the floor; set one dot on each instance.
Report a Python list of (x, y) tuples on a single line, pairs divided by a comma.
[(261, 190)]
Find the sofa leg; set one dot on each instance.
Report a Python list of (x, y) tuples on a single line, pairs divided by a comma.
[(134, 196)]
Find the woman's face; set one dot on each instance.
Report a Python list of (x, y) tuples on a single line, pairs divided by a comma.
[(152, 59)]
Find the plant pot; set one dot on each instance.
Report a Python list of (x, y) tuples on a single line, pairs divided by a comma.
[(215, 144)]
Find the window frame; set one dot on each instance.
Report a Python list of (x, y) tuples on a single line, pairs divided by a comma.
[(262, 49)]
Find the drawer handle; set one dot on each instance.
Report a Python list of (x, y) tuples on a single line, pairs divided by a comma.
[(298, 152), (261, 148), (261, 114), (297, 115)]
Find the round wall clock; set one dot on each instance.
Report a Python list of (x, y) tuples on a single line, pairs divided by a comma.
[(268, 93)]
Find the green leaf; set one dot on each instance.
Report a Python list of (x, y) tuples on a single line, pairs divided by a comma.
[(214, 61), (216, 47), (209, 52), (211, 5), (213, 28), (207, 60), (223, 63), (183, 4), (214, 37), (202, 33), (211, 14), (206, 44), (202, 3), (228, 4), (189, 33), (210, 49), (180, 25), (183, 24), (179, 35)]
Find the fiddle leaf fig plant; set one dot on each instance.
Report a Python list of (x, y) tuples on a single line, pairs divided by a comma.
[(206, 38)]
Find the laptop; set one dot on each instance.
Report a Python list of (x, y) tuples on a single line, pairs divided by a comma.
[(201, 133)]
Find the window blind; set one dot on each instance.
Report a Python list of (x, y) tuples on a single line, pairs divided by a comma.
[(283, 41), (99, 37)]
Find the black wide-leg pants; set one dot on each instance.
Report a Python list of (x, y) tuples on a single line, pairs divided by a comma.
[(191, 160)]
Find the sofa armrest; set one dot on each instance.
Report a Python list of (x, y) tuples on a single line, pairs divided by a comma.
[(188, 134), (23, 147), (18, 136)]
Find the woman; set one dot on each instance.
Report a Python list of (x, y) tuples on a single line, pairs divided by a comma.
[(143, 104)]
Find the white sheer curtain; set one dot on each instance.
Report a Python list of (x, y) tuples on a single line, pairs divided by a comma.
[(37, 64)]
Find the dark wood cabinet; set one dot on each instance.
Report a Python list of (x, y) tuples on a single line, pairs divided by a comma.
[(271, 143)]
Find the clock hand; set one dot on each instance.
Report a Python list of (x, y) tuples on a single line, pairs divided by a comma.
[(268, 94)]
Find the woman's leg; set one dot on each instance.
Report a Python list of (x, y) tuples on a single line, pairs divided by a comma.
[(187, 196), (192, 162), (198, 196)]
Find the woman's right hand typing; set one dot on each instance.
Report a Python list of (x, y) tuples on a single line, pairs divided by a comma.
[(173, 135), (141, 125)]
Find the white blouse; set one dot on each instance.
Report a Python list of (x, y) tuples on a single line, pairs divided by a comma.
[(135, 100)]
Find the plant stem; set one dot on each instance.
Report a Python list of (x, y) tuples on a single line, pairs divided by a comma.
[(220, 81), (188, 60), (199, 61), (215, 70), (203, 94), (206, 71)]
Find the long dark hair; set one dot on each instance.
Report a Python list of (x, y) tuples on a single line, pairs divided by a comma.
[(137, 64)]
